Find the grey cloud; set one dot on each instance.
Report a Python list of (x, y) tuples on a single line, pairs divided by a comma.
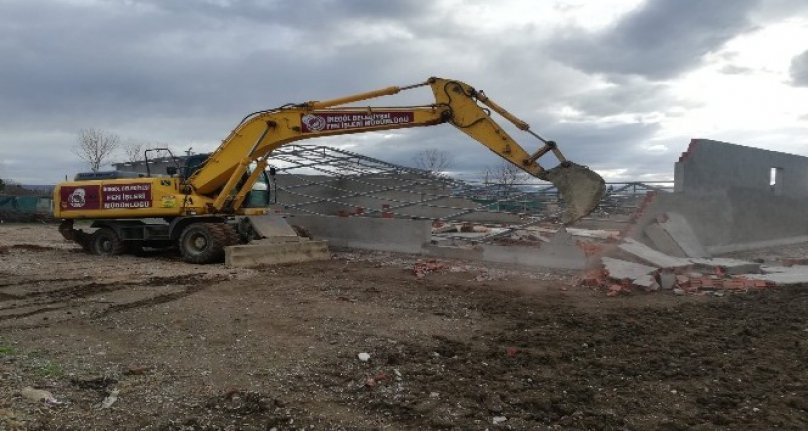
[(732, 69), (799, 70), (598, 146), (659, 40), (772, 10), (630, 94), (162, 71)]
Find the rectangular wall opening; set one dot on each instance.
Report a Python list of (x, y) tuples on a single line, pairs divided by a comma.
[(776, 180)]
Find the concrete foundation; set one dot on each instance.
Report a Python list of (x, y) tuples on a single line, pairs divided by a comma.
[(413, 237), (268, 252), (396, 235), (561, 252)]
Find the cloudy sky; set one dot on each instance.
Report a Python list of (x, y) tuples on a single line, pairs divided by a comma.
[(622, 85)]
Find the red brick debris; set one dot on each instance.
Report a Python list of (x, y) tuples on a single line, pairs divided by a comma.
[(590, 248), (690, 283), (423, 267)]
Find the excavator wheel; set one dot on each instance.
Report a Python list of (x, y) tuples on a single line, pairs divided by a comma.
[(66, 229), (233, 237), (204, 242), (105, 242)]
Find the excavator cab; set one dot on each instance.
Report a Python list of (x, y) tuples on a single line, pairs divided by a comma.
[(257, 197), (259, 194)]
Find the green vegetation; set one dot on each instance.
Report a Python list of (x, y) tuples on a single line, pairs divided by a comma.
[(6, 350), (49, 369)]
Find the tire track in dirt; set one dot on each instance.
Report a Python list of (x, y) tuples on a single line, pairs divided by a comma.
[(74, 301), (156, 300)]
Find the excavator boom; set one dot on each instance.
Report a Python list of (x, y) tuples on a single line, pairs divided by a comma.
[(455, 102)]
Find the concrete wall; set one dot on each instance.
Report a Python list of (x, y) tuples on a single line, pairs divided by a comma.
[(413, 237), (712, 165), (732, 216), (725, 193), (396, 235)]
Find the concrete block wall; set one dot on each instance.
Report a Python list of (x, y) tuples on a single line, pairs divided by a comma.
[(709, 165)]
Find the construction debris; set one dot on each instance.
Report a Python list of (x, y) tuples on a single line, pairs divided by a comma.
[(424, 267), (624, 270), (782, 275), (679, 229), (38, 395), (654, 257)]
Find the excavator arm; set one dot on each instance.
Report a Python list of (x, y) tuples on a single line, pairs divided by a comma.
[(253, 140)]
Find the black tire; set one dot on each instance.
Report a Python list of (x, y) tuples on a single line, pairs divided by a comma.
[(105, 242), (233, 238), (203, 243)]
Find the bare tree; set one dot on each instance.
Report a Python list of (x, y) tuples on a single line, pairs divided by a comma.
[(133, 151), (432, 160), (96, 146), (505, 175)]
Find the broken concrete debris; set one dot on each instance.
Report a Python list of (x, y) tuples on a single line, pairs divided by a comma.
[(782, 275), (38, 395), (686, 275), (671, 234), (654, 257), (625, 270), (679, 230)]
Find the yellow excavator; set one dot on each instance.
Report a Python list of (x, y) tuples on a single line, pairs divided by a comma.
[(207, 206)]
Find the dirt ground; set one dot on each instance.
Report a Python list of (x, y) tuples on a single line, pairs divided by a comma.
[(189, 347)]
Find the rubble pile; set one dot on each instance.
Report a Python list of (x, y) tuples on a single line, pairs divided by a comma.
[(667, 255)]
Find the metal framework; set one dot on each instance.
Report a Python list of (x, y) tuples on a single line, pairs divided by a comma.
[(317, 179)]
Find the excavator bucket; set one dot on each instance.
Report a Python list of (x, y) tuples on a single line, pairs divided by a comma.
[(580, 187)]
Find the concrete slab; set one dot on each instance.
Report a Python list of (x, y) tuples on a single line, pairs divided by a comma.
[(662, 240), (271, 253), (594, 233), (396, 235), (680, 231), (755, 245), (546, 256), (647, 282), (667, 279), (562, 252), (774, 269), (271, 225), (586, 233), (732, 266), (652, 256), (619, 269), (792, 275), (453, 252)]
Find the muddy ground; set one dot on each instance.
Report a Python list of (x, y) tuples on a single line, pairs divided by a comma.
[(207, 348)]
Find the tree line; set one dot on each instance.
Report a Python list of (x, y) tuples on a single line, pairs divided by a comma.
[(98, 148)]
